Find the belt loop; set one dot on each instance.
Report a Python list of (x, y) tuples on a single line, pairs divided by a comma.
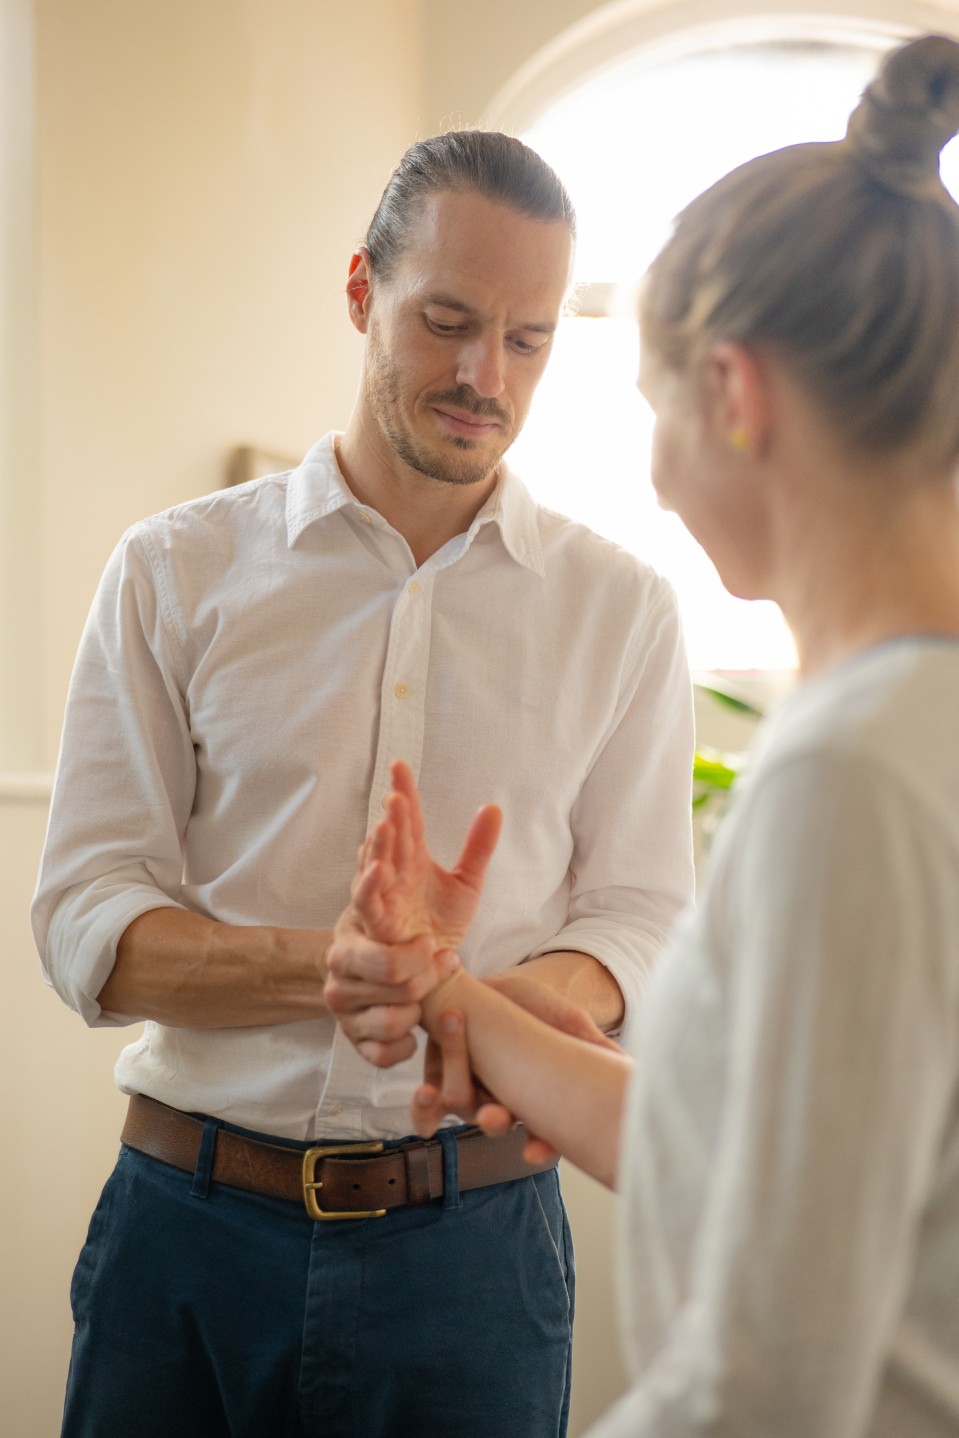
[(204, 1160), (419, 1187), (451, 1169)]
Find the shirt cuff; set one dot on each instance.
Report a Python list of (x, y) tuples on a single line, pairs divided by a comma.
[(82, 946), (628, 952)]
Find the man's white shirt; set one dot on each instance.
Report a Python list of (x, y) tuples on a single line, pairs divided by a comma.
[(253, 662)]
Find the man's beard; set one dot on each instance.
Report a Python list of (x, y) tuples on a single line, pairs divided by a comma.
[(383, 392)]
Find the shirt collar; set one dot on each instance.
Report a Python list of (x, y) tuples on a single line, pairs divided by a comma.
[(317, 488), (513, 509)]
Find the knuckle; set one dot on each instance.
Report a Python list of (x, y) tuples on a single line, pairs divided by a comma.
[(421, 983), (344, 997), (398, 1022), (354, 1031), (390, 1024), (335, 958), (382, 1054), (394, 971)]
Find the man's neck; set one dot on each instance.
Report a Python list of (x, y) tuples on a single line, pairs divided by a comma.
[(427, 512)]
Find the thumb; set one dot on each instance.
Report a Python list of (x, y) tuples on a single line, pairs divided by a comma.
[(562, 1014), (482, 836)]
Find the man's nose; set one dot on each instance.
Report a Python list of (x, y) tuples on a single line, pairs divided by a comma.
[(481, 367)]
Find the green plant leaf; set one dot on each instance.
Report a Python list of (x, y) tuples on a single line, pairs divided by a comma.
[(715, 770), (731, 701)]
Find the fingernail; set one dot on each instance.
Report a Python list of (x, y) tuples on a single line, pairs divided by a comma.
[(450, 1024)]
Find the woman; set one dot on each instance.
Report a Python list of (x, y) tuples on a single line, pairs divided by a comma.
[(787, 1144)]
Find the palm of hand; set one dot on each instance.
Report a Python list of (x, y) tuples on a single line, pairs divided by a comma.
[(424, 898), (401, 893)]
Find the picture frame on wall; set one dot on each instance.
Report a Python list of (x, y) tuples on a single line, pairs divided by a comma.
[(249, 461)]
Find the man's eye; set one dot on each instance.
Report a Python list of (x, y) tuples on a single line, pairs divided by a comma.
[(439, 328), (526, 347)]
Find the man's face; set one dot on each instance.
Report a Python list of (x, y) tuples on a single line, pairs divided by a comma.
[(460, 332)]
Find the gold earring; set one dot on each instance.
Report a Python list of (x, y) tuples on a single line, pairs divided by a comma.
[(739, 439)]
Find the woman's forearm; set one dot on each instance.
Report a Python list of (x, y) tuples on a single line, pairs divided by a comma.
[(568, 1092)]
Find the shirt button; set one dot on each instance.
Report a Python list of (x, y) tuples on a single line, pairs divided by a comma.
[(336, 1110), (402, 691), (363, 517), (385, 801), (414, 585)]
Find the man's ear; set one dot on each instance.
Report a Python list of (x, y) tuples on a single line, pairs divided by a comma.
[(740, 397), (359, 289)]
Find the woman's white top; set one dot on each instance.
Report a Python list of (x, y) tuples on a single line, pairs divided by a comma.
[(790, 1175)]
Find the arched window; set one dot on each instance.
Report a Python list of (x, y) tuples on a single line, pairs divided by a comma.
[(634, 140)]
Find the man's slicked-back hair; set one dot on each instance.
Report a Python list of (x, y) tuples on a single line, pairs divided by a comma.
[(497, 166)]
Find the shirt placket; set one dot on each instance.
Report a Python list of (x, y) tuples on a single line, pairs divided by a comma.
[(400, 736), (403, 694)]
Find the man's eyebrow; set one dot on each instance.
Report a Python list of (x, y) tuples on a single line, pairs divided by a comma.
[(448, 302)]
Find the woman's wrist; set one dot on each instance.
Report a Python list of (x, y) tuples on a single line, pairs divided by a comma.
[(444, 996)]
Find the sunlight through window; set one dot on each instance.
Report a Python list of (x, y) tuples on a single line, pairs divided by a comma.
[(633, 146)]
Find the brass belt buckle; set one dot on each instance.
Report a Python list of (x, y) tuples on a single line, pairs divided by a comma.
[(311, 1183)]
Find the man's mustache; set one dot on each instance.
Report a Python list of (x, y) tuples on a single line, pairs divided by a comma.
[(469, 401)]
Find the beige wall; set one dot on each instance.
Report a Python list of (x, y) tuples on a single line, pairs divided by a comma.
[(21, 695), (471, 52)]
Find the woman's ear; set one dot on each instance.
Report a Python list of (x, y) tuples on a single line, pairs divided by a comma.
[(739, 396)]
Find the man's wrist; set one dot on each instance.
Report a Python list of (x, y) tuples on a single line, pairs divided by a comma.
[(302, 954)]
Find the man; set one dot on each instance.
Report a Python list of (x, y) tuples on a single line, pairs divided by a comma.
[(254, 661)]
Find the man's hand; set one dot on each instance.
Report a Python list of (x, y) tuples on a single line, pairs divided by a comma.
[(376, 989), (400, 892), (395, 940)]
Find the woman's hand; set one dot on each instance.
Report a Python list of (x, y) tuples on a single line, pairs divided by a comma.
[(449, 1084)]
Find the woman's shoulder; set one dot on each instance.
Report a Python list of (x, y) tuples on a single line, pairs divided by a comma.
[(893, 706)]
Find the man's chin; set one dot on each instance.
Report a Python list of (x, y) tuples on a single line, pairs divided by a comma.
[(472, 465)]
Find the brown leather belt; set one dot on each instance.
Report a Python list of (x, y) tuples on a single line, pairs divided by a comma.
[(343, 1180)]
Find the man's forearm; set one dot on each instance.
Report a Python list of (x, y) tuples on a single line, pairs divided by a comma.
[(578, 977), (189, 971)]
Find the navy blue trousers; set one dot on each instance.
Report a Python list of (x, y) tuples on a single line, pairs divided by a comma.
[(202, 1311)]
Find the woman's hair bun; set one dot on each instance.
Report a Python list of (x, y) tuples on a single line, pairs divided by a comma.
[(908, 113)]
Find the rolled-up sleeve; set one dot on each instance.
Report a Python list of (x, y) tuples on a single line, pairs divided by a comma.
[(124, 786), (632, 863)]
